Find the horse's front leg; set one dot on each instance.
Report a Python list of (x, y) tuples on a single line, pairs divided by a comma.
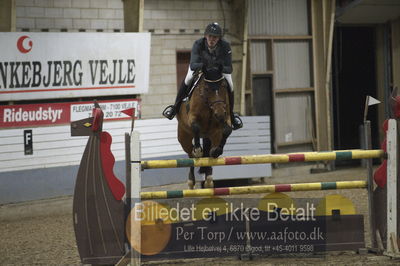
[(197, 150), (191, 179), (185, 139), (207, 170), (218, 142)]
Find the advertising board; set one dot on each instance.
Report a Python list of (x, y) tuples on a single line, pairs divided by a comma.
[(46, 114), (37, 65)]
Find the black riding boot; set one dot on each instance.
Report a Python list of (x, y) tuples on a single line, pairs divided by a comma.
[(235, 119), (171, 110)]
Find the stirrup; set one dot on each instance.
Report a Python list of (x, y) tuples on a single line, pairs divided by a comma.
[(237, 122), (169, 112)]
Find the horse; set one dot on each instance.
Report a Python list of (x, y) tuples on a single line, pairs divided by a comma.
[(205, 115)]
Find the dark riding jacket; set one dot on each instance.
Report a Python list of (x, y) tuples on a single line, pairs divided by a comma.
[(222, 54)]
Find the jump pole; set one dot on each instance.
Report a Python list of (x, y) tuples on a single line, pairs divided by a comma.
[(265, 158), (210, 192)]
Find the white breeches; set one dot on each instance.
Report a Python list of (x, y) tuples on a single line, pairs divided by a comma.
[(189, 77), (228, 78)]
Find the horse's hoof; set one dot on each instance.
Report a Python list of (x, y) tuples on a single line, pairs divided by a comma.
[(197, 152), (190, 184), (209, 183), (215, 152)]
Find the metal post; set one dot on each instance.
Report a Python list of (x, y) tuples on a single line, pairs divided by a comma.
[(371, 211), (392, 139), (135, 188)]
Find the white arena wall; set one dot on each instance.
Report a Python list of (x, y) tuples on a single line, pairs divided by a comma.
[(52, 168)]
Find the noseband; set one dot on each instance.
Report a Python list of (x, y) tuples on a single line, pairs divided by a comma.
[(215, 102)]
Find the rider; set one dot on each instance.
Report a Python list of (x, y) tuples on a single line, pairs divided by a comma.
[(211, 48)]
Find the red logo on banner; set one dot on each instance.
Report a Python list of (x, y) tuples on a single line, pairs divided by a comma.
[(21, 44)]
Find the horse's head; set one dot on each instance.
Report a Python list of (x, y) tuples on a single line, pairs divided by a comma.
[(216, 87), (218, 107)]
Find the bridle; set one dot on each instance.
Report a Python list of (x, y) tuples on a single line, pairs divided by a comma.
[(215, 102), (214, 81), (210, 104), (204, 95)]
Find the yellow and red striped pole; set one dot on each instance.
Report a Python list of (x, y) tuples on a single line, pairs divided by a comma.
[(265, 158), (208, 192)]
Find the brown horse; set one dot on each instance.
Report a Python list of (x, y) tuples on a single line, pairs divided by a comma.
[(205, 115)]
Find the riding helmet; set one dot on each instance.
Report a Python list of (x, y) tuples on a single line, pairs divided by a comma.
[(213, 29)]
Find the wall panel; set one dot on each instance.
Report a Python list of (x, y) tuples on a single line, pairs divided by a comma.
[(278, 17), (292, 64)]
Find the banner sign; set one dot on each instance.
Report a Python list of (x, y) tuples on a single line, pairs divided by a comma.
[(38, 65), (25, 115), (214, 228)]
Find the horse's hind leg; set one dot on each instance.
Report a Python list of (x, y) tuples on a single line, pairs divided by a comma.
[(207, 170)]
